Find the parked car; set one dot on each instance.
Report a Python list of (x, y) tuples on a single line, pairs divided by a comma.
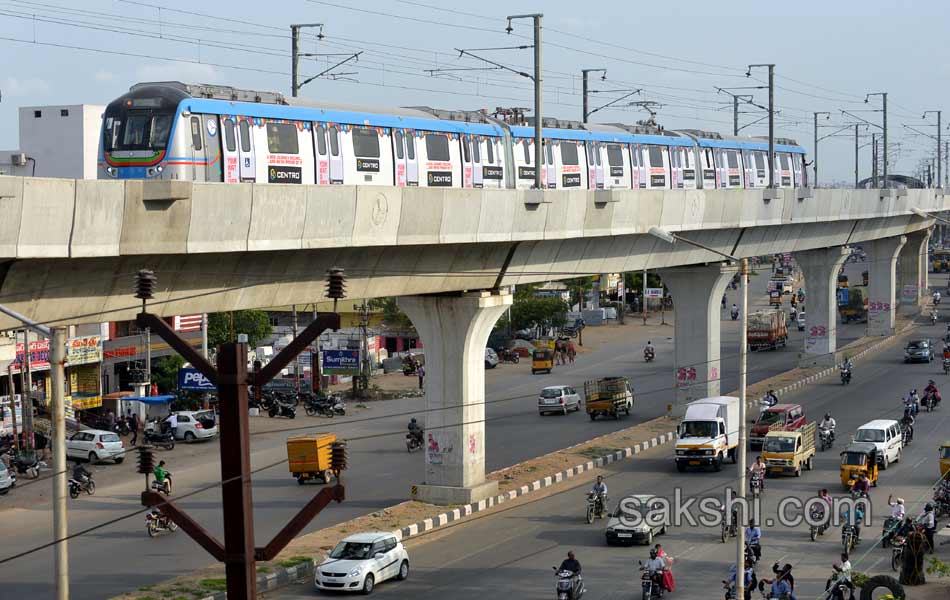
[(558, 399), (800, 321), (885, 434), (919, 351), (628, 524), (361, 561), (6, 478), (95, 445), (491, 358), (786, 417), (196, 425)]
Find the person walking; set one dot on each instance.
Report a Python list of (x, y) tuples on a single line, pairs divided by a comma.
[(421, 371), (571, 352), (133, 428)]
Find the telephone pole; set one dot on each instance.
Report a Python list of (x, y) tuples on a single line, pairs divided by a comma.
[(295, 54), (57, 361), (538, 150), (26, 403), (815, 157)]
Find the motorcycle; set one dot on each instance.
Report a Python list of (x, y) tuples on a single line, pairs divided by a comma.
[(826, 438), (409, 367), (848, 537), (946, 366), (818, 524), (752, 551), (651, 582), (649, 354), (887, 530), (314, 405), (931, 400), (121, 427), (897, 552), (755, 485), (282, 410), (24, 466), (596, 505), (845, 376), (161, 439), (163, 487), (77, 487), (728, 529), (933, 318), (837, 588), (907, 434), (157, 522), (507, 355), (413, 442), (567, 585), (734, 314)]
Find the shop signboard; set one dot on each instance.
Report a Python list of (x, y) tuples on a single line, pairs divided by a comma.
[(84, 350), (341, 362), (39, 356), (193, 380)]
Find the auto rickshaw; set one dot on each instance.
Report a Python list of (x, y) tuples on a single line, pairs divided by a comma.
[(542, 359), (945, 459), (858, 457)]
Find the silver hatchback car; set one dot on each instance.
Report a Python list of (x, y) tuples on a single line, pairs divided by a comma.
[(558, 399)]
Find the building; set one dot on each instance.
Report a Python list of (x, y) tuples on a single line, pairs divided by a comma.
[(56, 141)]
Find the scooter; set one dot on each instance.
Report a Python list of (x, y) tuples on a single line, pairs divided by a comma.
[(163, 487), (76, 487), (283, 410), (157, 522), (163, 440), (649, 354), (30, 468), (567, 585)]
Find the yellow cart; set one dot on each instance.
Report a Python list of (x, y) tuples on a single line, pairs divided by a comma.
[(308, 456)]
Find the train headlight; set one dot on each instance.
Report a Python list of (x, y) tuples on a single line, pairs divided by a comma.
[(112, 171)]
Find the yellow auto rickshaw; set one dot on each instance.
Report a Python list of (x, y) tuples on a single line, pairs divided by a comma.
[(308, 456), (542, 359), (945, 459), (857, 458)]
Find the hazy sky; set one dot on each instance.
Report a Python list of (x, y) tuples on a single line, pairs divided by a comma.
[(828, 55)]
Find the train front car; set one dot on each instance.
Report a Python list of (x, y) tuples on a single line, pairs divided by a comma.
[(137, 134)]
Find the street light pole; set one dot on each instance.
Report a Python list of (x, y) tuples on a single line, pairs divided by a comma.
[(671, 238), (58, 414), (538, 151), (815, 158), (771, 67)]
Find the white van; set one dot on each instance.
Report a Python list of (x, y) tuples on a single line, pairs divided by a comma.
[(886, 435)]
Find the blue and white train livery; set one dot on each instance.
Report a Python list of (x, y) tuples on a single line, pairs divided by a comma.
[(171, 130)]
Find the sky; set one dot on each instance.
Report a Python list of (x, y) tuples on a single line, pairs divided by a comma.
[(828, 55)]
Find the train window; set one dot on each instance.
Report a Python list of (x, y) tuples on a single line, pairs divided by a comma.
[(334, 134), (760, 160), (399, 140), (229, 140), (656, 156), (365, 142), (411, 146), (568, 153), (466, 150), (527, 152), (732, 159), (476, 153), (614, 155), (548, 146), (437, 146), (245, 130), (597, 159), (282, 138), (636, 156), (195, 132), (490, 152), (786, 162), (321, 133)]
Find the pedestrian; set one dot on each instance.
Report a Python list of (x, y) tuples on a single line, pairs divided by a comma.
[(173, 423), (571, 352), (422, 374), (133, 428), (110, 419), (723, 302)]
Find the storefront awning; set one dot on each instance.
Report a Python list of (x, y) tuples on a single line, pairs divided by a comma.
[(150, 399)]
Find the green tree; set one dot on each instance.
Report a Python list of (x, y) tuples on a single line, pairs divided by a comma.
[(526, 312), (165, 372), (255, 323), (393, 316)]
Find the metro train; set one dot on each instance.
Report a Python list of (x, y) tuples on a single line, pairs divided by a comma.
[(171, 130)]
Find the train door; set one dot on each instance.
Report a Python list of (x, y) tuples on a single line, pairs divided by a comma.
[(760, 159), (636, 159), (658, 158), (599, 165), (550, 178), (213, 149), (591, 165), (467, 176), (248, 170), (797, 169), (230, 160), (748, 165), (477, 175), (197, 149), (568, 158), (524, 171), (493, 171), (676, 167), (689, 169), (336, 154), (734, 162), (617, 167), (372, 155), (708, 167), (785, 161), (321, 152), (412, 161)]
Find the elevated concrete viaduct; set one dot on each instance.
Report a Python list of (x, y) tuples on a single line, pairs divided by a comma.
[(69, 250)]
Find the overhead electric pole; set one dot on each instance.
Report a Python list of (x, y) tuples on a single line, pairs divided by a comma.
[(939, 147), (815, 157), (883, 96), (856, 158), (538, 150), (57, 362), (586, 91), (771, 68), (295, 54)]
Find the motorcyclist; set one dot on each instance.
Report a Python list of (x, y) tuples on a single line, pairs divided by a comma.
[(80, 474), (897, 507), (914, 400), (823, 509), (936, 297), (758, 470), (656, 565), (828, 423), (162, 476), (571, 564), (748, 576), (734, 312), (779, 588), (858, 519), (599, 487), (649, 350), (942, 489), (931, 390), (907, 422), (946, 347), (847, 365), (771, 398), (843, 574), (862, 485), (415, 430), (753, 539)]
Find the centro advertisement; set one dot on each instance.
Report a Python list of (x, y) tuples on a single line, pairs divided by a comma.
[(193, 380), (341, 362)]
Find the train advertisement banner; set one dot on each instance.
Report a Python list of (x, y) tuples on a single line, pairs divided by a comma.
[(84, 350), (282, 174), (493, 172), (440, 178), (341, 362)]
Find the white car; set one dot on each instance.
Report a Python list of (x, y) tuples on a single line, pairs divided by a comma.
[(6, 478), (196, 425), (558, 399), (95, 445), (628, 524), (361, 561), (491, 358)]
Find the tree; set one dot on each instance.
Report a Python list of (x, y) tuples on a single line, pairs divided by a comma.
[(255, 323), (393, 316), (165, 372), (530, 311)]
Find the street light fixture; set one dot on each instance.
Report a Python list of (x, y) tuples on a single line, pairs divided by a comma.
[(672, 238)]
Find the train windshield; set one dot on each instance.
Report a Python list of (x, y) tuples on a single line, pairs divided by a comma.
[(137, 130)]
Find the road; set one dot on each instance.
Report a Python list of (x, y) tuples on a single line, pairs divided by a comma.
[(511, 553), (118, 557)]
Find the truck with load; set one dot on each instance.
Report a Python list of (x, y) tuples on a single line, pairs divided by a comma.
[(708, 433), (608, 396), (767, 329), (789, 451)]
